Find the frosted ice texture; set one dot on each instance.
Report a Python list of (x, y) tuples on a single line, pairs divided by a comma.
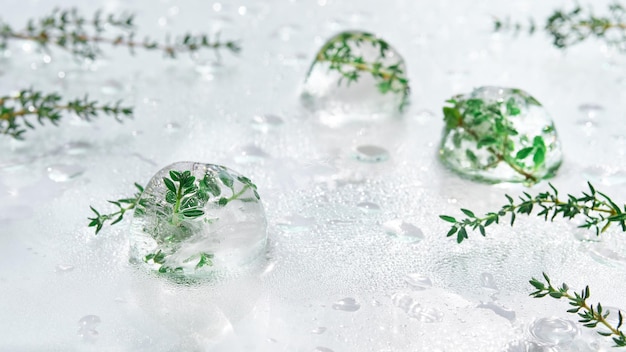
[(473, 146), (356, 76), (218, 223)]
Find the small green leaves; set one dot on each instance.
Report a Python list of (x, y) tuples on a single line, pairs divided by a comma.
[(340, 55), (487, 125), (19, 112), (598, 210), (123, 206), (82, 37), (589, 316), (573, 26)]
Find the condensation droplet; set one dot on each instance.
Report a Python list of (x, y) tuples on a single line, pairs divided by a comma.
[(63, 268), (504, 312), (267, 122), (322, 349), (418, 282), (250, 154), (368, 207), (318, 330), (111, 87), (87, 328), (347, 304), (553, 331), (64, 173), (172, 126), (487, 281), (403, 230), (371, 153), (296, 223)]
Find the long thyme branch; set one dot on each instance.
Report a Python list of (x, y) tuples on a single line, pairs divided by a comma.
[(71, 31), (15, 110), (598, 210), (573, 26), (590, 316)]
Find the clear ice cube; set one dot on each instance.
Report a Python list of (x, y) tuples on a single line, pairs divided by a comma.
[(195, 219), (356, 76), (497, 134)]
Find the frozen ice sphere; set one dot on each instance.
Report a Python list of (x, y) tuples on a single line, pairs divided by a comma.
[(194, 219), (356, 76), (499, 134)]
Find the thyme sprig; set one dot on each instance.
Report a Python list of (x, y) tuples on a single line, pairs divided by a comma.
[(16, 109), (339, 52), (598, 210), (123, 205), (573, 26), (490, 128), (71, 31), (184, 198), (590, 316)]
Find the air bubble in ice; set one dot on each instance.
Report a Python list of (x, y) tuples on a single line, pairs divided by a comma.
[(403, 230), (553, 331), (371, 153), (195, 219), (356, 76), (348, 304), (499, 134)]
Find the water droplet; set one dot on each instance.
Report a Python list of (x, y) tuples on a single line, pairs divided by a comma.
[(63, 268), (590, 109), (112, 87), (418, 282), (525, 346), (64, 173), (402, 300), (553, 331), (172, 126), (487, 281), (348, 304), (76, 148), (89, 320), (504, 312), (371, 153), (87, 328), (250, 154), (296, 223), (267, 122), (322, 349), (318, 330), (403, 230), (368, 207)]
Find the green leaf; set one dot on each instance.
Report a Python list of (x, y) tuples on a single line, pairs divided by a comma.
[(447, 218), (468, 213), (539, 157), (488, 140), (523, 153), (226, 179), (222, 201), (170, 197), (193, 213), (169, 184)]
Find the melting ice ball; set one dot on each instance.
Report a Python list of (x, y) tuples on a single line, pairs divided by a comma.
[(499, 134), (194, 219), (356, 76)]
